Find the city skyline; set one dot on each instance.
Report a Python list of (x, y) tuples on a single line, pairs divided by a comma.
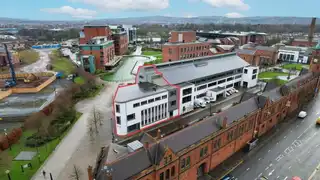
[(102, 9)]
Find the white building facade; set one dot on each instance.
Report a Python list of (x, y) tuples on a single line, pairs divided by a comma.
[(294, 54), (131, 33), (168, 90)]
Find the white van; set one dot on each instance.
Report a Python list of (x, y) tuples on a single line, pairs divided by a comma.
[(199, 103)]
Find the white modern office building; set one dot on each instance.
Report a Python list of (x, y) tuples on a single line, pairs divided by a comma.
[(131, 33), (168, 90), (294, 54)]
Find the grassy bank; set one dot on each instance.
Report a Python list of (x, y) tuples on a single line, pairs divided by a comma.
[(157, 54), (43, 153), (295, 66), (60, 63)]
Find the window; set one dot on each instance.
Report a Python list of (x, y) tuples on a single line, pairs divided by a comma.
[(201, 95), (217, 144), (143, 103), (291, 57), (229, 86), (239, 76), (158, 98), (187, 91), (255, 71), (117, 108), (230, 79), (131, 117), (230, 136), (170, 158), (188, 161), (119, 120), (183, 163), (170, 51), (202, 87), (203, 151), (133, 127), (254, 77), (164, 97), (173, 103), (221, 81), (150, 100), (173, 171), (246, 71), (162, 176), (136, 105), (186, 99), (172, 93), (212, 84), (167, 174)]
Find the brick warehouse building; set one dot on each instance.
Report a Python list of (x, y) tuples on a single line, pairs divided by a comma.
[(89, 32), (259, 55), (182, 36), (198, 149), (120, 42)]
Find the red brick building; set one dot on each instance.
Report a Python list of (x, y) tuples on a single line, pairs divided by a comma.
[(195, 150), (4, 60), (179, 51), (258, 55), (120, 43), (89, 32), (303, 42), (182, 36)]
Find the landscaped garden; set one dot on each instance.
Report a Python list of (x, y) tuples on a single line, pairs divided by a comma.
[(295, 66), (271, 74), (157, 53), (42, 132), (60, 63)]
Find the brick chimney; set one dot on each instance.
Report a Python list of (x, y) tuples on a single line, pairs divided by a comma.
[(159, 134), (224, 122), (146, 145), (90, 174)]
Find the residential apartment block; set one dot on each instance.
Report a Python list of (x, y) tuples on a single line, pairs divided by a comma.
[(195, 150), (166, 91), (99, 45)]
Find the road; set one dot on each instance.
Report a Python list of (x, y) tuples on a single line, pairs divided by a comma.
[(41, 64), (293, 151)]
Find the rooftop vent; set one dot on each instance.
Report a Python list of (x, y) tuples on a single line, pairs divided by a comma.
[(134, 146), (200, 64)]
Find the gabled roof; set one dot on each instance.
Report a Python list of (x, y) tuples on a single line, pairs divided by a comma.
[(196, 132)]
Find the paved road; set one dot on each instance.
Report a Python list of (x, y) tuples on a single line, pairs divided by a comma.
[(294, 151)]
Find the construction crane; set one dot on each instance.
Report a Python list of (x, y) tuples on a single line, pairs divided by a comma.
[(311, 31), (13, 81)]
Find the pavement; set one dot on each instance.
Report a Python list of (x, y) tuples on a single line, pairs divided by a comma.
[(78, 147), (293, 151)]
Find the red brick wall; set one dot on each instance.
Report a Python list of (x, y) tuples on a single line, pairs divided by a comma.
[(120, 44), (302, 43), (108, 55), (178, 51), (187, 36), (91, 32)]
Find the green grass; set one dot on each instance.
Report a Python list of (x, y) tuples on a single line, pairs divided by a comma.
[(61, 64), (297, 66), (152, 53), (108, 76), (28, 56), (271, 74), (279, 82), (44, 152), (79, 80)]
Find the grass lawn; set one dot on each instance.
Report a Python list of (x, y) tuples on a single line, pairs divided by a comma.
[(44, 152), (28, 56), (61, 64), (271, 74), (108, 76), (79, 80), (152, 53), (297, 66)]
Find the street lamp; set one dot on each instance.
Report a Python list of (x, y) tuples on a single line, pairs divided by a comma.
[(6, 134), (8, 174)]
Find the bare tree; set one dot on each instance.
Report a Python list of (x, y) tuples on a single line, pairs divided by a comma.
[(76, 173), (96, 120)]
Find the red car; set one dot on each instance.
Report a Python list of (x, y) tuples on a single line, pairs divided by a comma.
[(296, 178)]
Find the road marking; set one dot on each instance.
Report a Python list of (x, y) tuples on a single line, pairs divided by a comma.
[(297, 126), (248, 169), (269, 150), (270, 173), (297, 143), (291, 131), (289, 150), (277, 142), (284, 137), (260, 175), (267, 168), (286, 178), (259, 159), (279, 157), (278, 177), (289, 167), (270, 165)]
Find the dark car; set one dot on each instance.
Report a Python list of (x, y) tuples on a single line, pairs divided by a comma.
[(228, 177)]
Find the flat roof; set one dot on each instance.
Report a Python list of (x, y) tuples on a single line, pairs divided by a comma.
[(186, 43), (246, 51), (137, 91), (187, 70)]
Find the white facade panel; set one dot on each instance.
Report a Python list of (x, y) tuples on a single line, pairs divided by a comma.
[(250, 77)]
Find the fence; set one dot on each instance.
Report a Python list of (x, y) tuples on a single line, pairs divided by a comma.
[(24, 75)]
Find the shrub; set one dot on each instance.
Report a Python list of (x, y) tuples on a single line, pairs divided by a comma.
[(36, 140)]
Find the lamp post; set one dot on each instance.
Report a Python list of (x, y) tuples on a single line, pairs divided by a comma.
[(6, 134), (8, 174)]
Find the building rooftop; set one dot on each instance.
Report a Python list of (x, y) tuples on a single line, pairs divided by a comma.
[(137, 91), (246, 51), (188, 70), (266, 48), (305, 40)]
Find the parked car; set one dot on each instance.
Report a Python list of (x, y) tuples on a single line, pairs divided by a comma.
[(199, 103), (235, 90), (207, 100), (302, 114), (228, 177)]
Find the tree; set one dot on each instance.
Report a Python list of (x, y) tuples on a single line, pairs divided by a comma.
[(95, 121), (76, 173)]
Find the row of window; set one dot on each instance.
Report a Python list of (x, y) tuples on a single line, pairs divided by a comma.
[(193, 55), (149, 101), (286, 57), (194, 48), (169, 172), (153, 114), (215, 83), (214, 77)]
